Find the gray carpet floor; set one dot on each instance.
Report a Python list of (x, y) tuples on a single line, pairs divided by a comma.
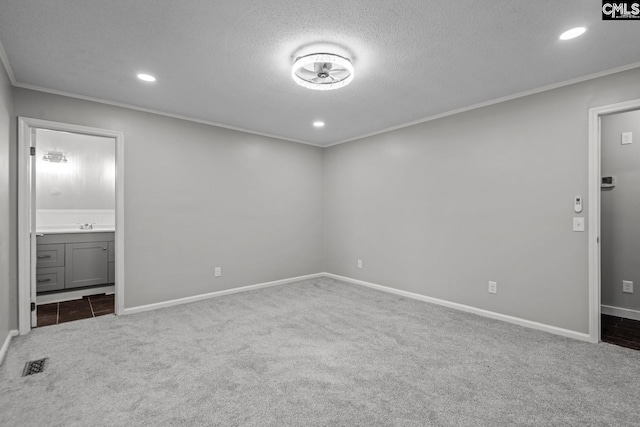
[(314, 353)]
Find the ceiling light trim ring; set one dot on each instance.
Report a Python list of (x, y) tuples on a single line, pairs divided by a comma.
[(323, 59), (145, 77), (572, 33)]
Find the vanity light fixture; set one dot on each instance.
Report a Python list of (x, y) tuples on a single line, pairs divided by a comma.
[(54, 157), (572, 33), (146, 77), (322, 71), (318, 124)]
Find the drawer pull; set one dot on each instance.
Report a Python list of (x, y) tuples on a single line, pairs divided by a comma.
[(44, 256), (43, 280)]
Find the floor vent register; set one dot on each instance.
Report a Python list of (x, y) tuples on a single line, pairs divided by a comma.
[(34, 367)]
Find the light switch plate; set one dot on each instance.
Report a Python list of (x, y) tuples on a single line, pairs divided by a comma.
[(578, 223), (627, 286), (627, 138)]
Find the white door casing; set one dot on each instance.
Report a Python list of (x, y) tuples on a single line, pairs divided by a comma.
[(595, 115), (26, 214)]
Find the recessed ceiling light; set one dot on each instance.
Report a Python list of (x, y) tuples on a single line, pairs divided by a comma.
[(146, 77), (572, 33), (318, 124), (322, 71)]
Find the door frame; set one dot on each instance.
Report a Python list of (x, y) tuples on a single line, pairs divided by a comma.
[(26, 236), (595, 133)]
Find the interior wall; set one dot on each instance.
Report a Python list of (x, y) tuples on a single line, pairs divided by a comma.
[(620, 211), (5, 210), (199, 197), (86, 181), (443, 207)]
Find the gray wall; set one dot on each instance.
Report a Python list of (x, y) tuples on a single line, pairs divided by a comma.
[(438, 208), (620, 222), (442, 207), (5, 210), (198, 196)]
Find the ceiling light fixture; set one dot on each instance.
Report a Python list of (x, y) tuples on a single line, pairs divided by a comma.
[(322, 71), (318, 124), (54, 157), (146, 77), (572, 33)]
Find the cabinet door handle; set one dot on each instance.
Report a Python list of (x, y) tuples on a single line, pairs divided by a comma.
[(43, 280), (40, 235), (104, 249), (44, 256)]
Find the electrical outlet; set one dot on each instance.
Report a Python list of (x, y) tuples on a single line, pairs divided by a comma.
[(359, 263), (493, 287), (627, 286), (218, 272), (627, 138)]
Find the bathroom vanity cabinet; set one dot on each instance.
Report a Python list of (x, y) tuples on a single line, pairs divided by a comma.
[(74, 260)]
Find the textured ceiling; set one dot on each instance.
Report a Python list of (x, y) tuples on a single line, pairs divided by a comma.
[(229, 62)]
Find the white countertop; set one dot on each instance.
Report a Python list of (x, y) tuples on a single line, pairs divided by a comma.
[(75, 229)]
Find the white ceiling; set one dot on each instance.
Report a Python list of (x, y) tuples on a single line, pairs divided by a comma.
[(229, 62)]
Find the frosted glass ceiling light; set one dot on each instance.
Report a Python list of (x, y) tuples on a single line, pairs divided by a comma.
[(322, 71)]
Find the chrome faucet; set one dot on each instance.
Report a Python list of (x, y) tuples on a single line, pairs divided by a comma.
[(87, 226)]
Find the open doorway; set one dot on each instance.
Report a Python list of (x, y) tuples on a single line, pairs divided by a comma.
[(70, 223), (614, 224), (75, 194), (620, 228)]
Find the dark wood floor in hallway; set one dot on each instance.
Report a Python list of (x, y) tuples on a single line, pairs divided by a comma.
[(621, 331)]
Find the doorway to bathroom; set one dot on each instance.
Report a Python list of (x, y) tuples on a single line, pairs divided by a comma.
[(620, 228), (614, 225), (70, 223)]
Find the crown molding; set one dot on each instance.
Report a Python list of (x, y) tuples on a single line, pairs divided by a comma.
[(494, 101), (158, 112)]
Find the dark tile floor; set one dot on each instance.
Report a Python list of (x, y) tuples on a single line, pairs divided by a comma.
[(620, 331), (67, 311)]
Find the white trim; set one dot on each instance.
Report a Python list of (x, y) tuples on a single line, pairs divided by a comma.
[(158, 112), (594, 209), (485, 313), (5, 61), (24, 237), (495, 101), (468, 309), (5, 345), (24, 257), (627, 313), (72, 295), (187, 300)]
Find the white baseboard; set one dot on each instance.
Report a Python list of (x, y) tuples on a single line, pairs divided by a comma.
[(5, 345), (155, 306), (466, 308), (71, 295), (626, 313), (469, 309)]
